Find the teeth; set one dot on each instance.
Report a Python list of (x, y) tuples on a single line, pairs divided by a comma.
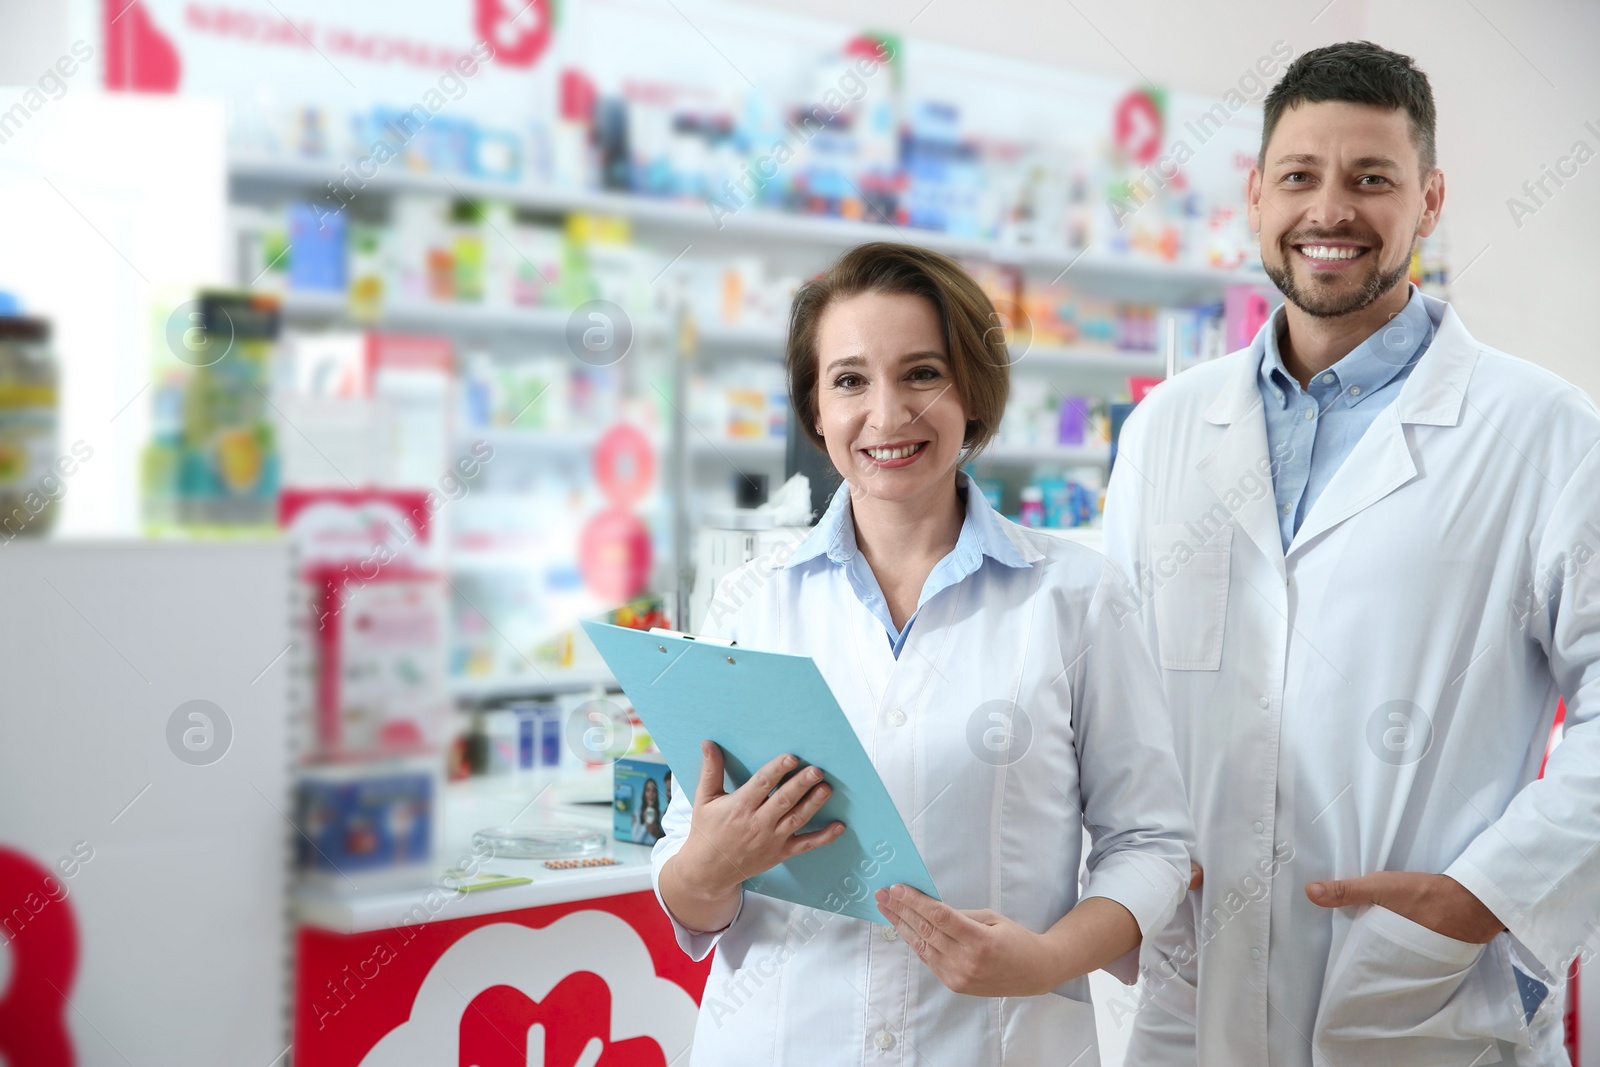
[(883, 454), (1331, 251)]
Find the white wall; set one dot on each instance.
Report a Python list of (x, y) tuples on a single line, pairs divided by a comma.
[(1514, 82)]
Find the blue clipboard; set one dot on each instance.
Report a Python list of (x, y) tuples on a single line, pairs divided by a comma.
[(757, 706)]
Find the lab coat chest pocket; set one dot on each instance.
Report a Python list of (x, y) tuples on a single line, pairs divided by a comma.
[(1191, 595), (1399, 992)]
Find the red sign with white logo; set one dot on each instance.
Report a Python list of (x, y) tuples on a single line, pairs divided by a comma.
[(597, 983)]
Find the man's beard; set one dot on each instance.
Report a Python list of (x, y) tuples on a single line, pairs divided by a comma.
[(1333, 305)]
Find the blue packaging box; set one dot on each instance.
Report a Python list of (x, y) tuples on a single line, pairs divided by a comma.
[(642, 789)]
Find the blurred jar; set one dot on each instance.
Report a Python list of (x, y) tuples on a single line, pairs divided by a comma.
[(29, 413)]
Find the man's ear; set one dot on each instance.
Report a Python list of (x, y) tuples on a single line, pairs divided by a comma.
[(1252, 198), (1432, 202)]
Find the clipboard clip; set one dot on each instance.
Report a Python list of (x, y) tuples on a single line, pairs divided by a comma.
[(664, 632)]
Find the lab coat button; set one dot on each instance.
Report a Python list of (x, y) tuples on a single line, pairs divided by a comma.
[(891, 934), (897, 717), (1258, 827), (1255, 954), (1264, 702), (884, 1040)]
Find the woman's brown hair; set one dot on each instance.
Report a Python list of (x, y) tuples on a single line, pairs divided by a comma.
[(974, 341)]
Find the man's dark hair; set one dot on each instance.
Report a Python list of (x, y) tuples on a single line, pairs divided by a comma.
[(1356, 72)]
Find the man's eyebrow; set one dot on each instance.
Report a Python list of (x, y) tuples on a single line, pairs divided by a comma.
[(1364, 163)]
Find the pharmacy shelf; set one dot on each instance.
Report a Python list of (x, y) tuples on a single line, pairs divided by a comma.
[(549, 682), (769, 341), (742, 340), (1051, 358), (313, 306), (751, 223), (1064, 455), (736, 450), (523, 441)]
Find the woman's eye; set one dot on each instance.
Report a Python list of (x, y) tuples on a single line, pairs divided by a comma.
[(925, 374), (847, 381)]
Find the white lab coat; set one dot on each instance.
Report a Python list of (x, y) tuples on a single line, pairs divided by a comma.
[(797, 986), (1377, 698)]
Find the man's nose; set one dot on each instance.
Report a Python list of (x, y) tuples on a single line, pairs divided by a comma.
[(1331, 206)]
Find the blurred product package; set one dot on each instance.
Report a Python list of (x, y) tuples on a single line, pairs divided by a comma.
[(372, 623), (642, 789), (368, 826), (33, 469), (212, 463)]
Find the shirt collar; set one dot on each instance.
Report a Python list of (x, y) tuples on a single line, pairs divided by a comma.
[(1366, 368), (982, 533)]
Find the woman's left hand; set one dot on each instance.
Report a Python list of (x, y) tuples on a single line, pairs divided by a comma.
[(980, 953)]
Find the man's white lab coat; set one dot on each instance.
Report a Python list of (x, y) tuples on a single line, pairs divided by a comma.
[(1376, 698)]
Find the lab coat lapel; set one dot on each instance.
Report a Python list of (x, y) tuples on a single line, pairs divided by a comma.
[(1384, 459), (1238, 469)]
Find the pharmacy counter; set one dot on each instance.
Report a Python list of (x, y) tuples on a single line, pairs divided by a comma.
[(575, 965)]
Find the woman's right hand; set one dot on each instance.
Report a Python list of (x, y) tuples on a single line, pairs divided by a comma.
[(738, 835)]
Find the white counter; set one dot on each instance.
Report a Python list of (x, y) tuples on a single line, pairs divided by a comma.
[(474, 805)]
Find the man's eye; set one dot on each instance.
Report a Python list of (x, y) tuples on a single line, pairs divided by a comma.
[(1365, 178), (1297, 178)]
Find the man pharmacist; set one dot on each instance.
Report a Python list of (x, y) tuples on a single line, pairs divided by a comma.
[(1364, 550)]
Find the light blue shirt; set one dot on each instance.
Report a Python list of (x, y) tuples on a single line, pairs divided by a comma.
[(1310, 432), (834, 537)]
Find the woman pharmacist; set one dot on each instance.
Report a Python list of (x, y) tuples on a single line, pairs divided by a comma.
[(985, 671)]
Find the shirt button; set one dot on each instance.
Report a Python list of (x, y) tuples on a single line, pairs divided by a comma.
[(1258, 827), (1327, 379), (1264, 702), (1286, 508), (891, 934), (884, 1040), (1311, 413), (1355, 390), (897, 717), (1255, 954)]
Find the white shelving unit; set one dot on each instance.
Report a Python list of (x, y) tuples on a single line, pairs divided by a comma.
[(693, 454), (693, 219)]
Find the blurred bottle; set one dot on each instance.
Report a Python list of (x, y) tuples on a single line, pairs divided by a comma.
[(29, 411)]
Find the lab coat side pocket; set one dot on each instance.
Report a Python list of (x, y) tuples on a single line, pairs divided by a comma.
[(1402, 993), (1191, 595)]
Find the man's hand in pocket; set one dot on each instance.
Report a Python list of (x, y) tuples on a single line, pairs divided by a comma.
[(1436, 901)]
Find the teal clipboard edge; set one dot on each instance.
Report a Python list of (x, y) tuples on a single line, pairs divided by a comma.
[(755, 706)]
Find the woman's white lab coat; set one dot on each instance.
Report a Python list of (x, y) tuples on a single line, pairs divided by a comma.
[(1377, 698), (1034, 651)]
